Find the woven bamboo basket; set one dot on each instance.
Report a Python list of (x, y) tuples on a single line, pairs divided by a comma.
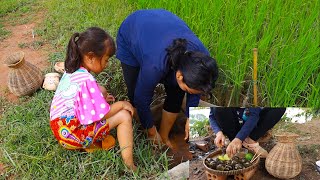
[(213, 172), (284, 160), (24, 78)]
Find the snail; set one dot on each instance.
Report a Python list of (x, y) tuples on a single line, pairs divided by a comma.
[(238, 166), (213, 164), (220, 167), (235, 163), (228, 168), (246, 164)]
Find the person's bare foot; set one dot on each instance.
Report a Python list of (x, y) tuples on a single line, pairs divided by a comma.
[(255, 147), (155, 138), (132, 167), (169, 144)]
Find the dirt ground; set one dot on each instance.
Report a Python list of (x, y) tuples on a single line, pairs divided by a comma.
[(181, 151), (308, 145), (24, 39)]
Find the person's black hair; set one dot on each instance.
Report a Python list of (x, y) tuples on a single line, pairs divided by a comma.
[(199, 70), (91, 40)]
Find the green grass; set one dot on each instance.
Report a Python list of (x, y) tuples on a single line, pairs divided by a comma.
[(29, 150), (63, 18), (35, 45), (286, 33), (10, 6), (17, 11), (3, 32), (11, 11)]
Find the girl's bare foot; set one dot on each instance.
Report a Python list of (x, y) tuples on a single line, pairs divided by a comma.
[(132, 167)]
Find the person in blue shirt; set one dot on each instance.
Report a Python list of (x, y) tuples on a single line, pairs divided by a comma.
[(156, 46), (243, 127)]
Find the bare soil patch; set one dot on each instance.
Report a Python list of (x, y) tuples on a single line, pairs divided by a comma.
[(22, 38), (2, 168)]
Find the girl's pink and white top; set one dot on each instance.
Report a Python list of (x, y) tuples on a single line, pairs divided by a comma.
[(78, 95)]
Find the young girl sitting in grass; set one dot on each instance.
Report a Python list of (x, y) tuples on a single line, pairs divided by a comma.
[(79, 113)]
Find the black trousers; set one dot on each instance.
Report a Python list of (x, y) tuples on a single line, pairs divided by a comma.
[(228, 121), (174, 94)]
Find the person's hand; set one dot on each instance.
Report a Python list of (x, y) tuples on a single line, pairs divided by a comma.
[(127, 106), (186, 129), (106, 95), (234, 147), (103, 91), (219, 140), (110, 98)]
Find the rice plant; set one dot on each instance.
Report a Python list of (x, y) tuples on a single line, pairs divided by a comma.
[(286, 34)]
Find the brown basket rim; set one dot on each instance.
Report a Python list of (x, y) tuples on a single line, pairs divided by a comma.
[(20, 54), (286, 134), (232, 172), (52, 74)]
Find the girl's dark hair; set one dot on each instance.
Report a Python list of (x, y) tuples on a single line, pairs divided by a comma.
[(199, 70), (91, 40)]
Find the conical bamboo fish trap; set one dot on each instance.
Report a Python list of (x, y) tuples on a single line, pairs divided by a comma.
[(284, 160), (24, 78)]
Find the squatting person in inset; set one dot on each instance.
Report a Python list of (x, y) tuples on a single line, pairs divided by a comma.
[(243, 127)]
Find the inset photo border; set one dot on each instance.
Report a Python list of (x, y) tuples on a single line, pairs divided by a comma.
[(271, 135)]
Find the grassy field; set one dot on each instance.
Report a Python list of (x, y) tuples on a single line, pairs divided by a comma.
[(286, 33), (6, 7), (28, 149)]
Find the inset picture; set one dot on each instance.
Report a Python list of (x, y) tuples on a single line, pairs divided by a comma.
[(254, 143)]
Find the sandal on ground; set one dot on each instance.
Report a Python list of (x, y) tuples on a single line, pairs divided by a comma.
[(59, 67), (93, 147), (256, 148), (108, 143)]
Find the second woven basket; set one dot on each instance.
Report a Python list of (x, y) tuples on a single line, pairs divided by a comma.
[(24, 78), (284, 160)]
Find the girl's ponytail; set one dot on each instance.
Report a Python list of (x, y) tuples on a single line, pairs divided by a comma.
[(176, 51), (73, 57)]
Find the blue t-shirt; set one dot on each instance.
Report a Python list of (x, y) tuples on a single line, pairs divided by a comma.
[(250, 123), (141, 42)]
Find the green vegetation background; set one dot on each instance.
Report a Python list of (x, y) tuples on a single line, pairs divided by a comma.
[(286, 33)]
